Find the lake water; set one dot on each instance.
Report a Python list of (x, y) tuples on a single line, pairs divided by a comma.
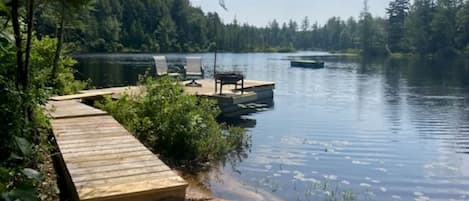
[(382, 129)]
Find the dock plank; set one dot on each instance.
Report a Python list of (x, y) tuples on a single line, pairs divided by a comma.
[(116, 163), (99, 148), (115, 192), (70, 109), (81, 95), (97, 144), (127, 179), (96, 152), (119, 173), (113, 167), (78, 136), (104, 161), (101, 157), (113, 90)]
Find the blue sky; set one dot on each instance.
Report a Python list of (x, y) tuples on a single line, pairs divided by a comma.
[(260, 12)]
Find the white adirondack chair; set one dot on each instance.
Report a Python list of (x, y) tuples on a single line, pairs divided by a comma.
[(161, 67)]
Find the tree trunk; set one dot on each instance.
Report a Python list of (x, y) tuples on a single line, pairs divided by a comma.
[(58, 50), (28, 43), (18, 43)]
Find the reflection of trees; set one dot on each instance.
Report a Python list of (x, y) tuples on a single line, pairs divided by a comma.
[(435, 94), (112, 71), (99, 71), (437, 72), (368, 67), (393, 92)]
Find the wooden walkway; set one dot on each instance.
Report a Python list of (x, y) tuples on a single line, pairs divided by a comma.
[(251, 89), (104, 161)]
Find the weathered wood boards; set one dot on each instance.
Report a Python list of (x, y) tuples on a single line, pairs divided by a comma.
[(82, 95), (228, 101), (207, 89), (71, 108), (105, 162)]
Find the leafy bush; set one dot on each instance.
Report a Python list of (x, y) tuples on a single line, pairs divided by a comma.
[(181, 127), (42, 55), (22, 143)]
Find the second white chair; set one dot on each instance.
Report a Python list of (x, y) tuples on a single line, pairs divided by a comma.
[(194, 70)]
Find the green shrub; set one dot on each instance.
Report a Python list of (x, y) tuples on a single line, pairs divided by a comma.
[(23, 138), (22, 143), (180, 127), (42, 56)]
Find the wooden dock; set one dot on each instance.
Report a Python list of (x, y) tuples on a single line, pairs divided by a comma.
[(103, 161), (232, 102)]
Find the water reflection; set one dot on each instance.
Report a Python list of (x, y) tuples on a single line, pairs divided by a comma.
[(203, 182), (385, 129), (244, 122)]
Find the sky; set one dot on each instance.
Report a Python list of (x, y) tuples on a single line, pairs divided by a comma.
[(261, 12)]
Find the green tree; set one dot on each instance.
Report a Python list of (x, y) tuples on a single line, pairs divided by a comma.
[(104, 27), (444, 26), (177, 26), (64, 13), (305, 25), (366, 30), (166, 34), (462, 35), (397, 13), (293, 37), (419, 30), (303, 40), (351, 34)]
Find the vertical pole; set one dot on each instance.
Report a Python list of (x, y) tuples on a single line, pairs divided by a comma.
[(215, 61), (215, 58), (215, 68)]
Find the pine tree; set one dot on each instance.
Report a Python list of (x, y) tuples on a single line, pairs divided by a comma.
[(462, 35), (397, 13), (444, 26), (419, 31), (366, 23)]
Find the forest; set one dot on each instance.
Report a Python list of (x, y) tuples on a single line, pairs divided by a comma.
[(425, 27)]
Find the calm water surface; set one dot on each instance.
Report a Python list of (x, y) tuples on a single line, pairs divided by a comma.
[(382, 129)]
